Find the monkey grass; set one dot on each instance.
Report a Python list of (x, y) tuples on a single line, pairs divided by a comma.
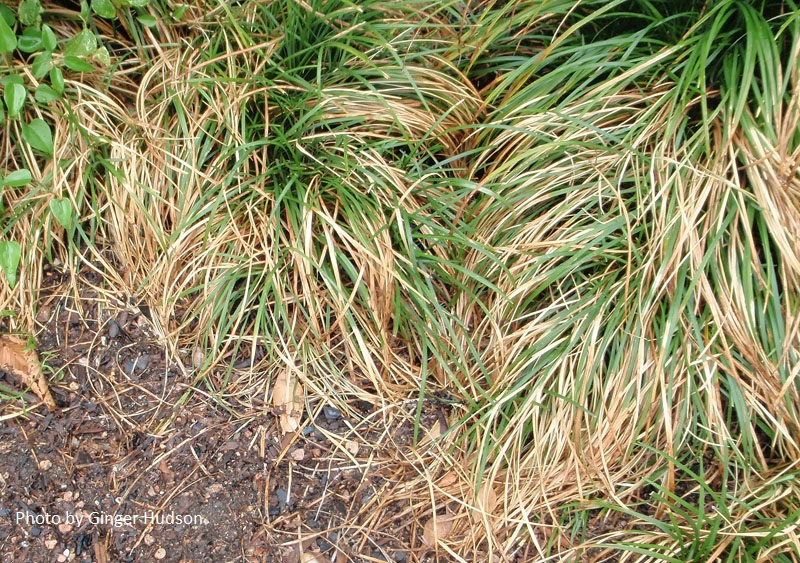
[(575, 221)]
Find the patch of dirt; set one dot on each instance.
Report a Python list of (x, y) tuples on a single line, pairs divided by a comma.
[(136, 465)]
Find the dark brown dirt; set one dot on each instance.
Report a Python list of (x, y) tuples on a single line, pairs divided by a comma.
[(136, 465)]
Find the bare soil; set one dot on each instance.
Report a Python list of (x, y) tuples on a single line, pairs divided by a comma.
[(137, 464)]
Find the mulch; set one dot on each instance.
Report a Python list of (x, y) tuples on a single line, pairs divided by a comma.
[(137, 464)]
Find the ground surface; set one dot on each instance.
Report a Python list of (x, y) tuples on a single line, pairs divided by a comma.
[(117, 470)]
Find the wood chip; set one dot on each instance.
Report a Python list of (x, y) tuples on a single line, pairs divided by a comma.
[(23, 363), (100, 552), (287, 398), (308, 557), (165, 469)]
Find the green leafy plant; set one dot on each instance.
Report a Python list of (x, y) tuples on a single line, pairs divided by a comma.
[(62, 211), (10, 253), (26, 104)]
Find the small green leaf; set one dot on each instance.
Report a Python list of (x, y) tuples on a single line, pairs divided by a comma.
[(45, 94), (14, 96), (41, 64), (57, 80), (8, 41), (49, 40), (136, 3), (179, 12), (102, 56), (10, 253), (2, 120), (8, 15), (85, 10), (147, 20), (29, 43), (12, 79), (62, 211), (18, 178), (38, 135), (30, 12), (76, 64), (104, 8), (82, 45)]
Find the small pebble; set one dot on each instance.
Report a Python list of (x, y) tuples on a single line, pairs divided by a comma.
[(149, 540), (45, 464), (198, 357), (323, 544), (35, 531), (140, 363), (64, 528), (113, 328), (230, 445), (50, 544), (160, 553), (281, 494), (331, 413), (44, 314)]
